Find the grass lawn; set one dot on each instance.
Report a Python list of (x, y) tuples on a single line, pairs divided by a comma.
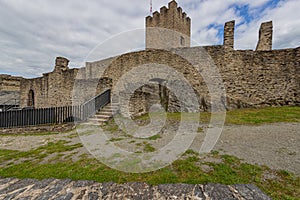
[(251, 116)]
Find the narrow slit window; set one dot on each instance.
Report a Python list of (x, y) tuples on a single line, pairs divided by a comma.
[(182, 41)]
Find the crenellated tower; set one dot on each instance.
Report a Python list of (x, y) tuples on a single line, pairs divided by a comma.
[(169, 28)]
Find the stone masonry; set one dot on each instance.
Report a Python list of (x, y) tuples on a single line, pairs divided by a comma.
[(10, 83), (229, 34), (9, 90), (51, 90), (12, 188), (265, 37)]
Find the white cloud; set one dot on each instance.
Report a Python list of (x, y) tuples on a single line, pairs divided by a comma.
[(286, 27), (33, 33)]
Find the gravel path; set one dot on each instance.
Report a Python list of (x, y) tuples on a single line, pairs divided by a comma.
[(274, 145)]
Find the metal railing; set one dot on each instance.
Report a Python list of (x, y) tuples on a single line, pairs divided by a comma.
[(54, 115), (8, 105)]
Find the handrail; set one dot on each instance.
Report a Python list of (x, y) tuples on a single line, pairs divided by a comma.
[(91, 99), (9, 100), (54, 115), (8, 107), (95, 103)]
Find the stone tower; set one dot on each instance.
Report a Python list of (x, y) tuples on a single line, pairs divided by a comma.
[(169, 28)]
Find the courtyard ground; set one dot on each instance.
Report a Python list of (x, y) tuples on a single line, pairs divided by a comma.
[(262, 152)]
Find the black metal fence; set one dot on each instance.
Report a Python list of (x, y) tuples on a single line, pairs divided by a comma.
[(54, 115)]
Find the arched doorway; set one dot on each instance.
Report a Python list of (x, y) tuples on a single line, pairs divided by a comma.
[(30, 102)]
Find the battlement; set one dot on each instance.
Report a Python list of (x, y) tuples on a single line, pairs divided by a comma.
[(61, 63), (229, 34), (173, 19), (265, 37), (264, 41)]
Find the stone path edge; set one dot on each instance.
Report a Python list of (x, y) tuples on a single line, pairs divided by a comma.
[(26, 189)]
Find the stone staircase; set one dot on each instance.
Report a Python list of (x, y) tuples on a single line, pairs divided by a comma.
[(103, 115)]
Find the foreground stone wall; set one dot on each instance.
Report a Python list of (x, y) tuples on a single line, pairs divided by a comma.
[(12, 188)]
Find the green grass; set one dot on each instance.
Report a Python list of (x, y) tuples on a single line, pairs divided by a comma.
[(116, 139), (39, 153), (154, 137), (149, 148), (263, 115), (186, 170), (251, 116)]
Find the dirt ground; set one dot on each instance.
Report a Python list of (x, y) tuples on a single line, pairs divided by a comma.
[(274, 145)]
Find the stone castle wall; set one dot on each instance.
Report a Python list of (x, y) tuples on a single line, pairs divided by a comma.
[(86, 89), (10, 83), (9, 90), (64, 86), (94, 69), (54, 89), (258, 77), (263, 78), (251, 78), (148, 60)]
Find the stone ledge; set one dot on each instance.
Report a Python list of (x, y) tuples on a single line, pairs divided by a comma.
[(12, 188), (38, 129)]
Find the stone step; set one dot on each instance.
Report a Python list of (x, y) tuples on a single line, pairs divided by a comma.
[(109, 108), (97, 120), (102, 116), (105, 113), (93, 123)]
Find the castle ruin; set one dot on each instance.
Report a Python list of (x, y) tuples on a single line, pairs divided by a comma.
[(263, 77)]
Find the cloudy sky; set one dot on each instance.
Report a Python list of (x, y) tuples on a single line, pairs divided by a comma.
[(34, 32)]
